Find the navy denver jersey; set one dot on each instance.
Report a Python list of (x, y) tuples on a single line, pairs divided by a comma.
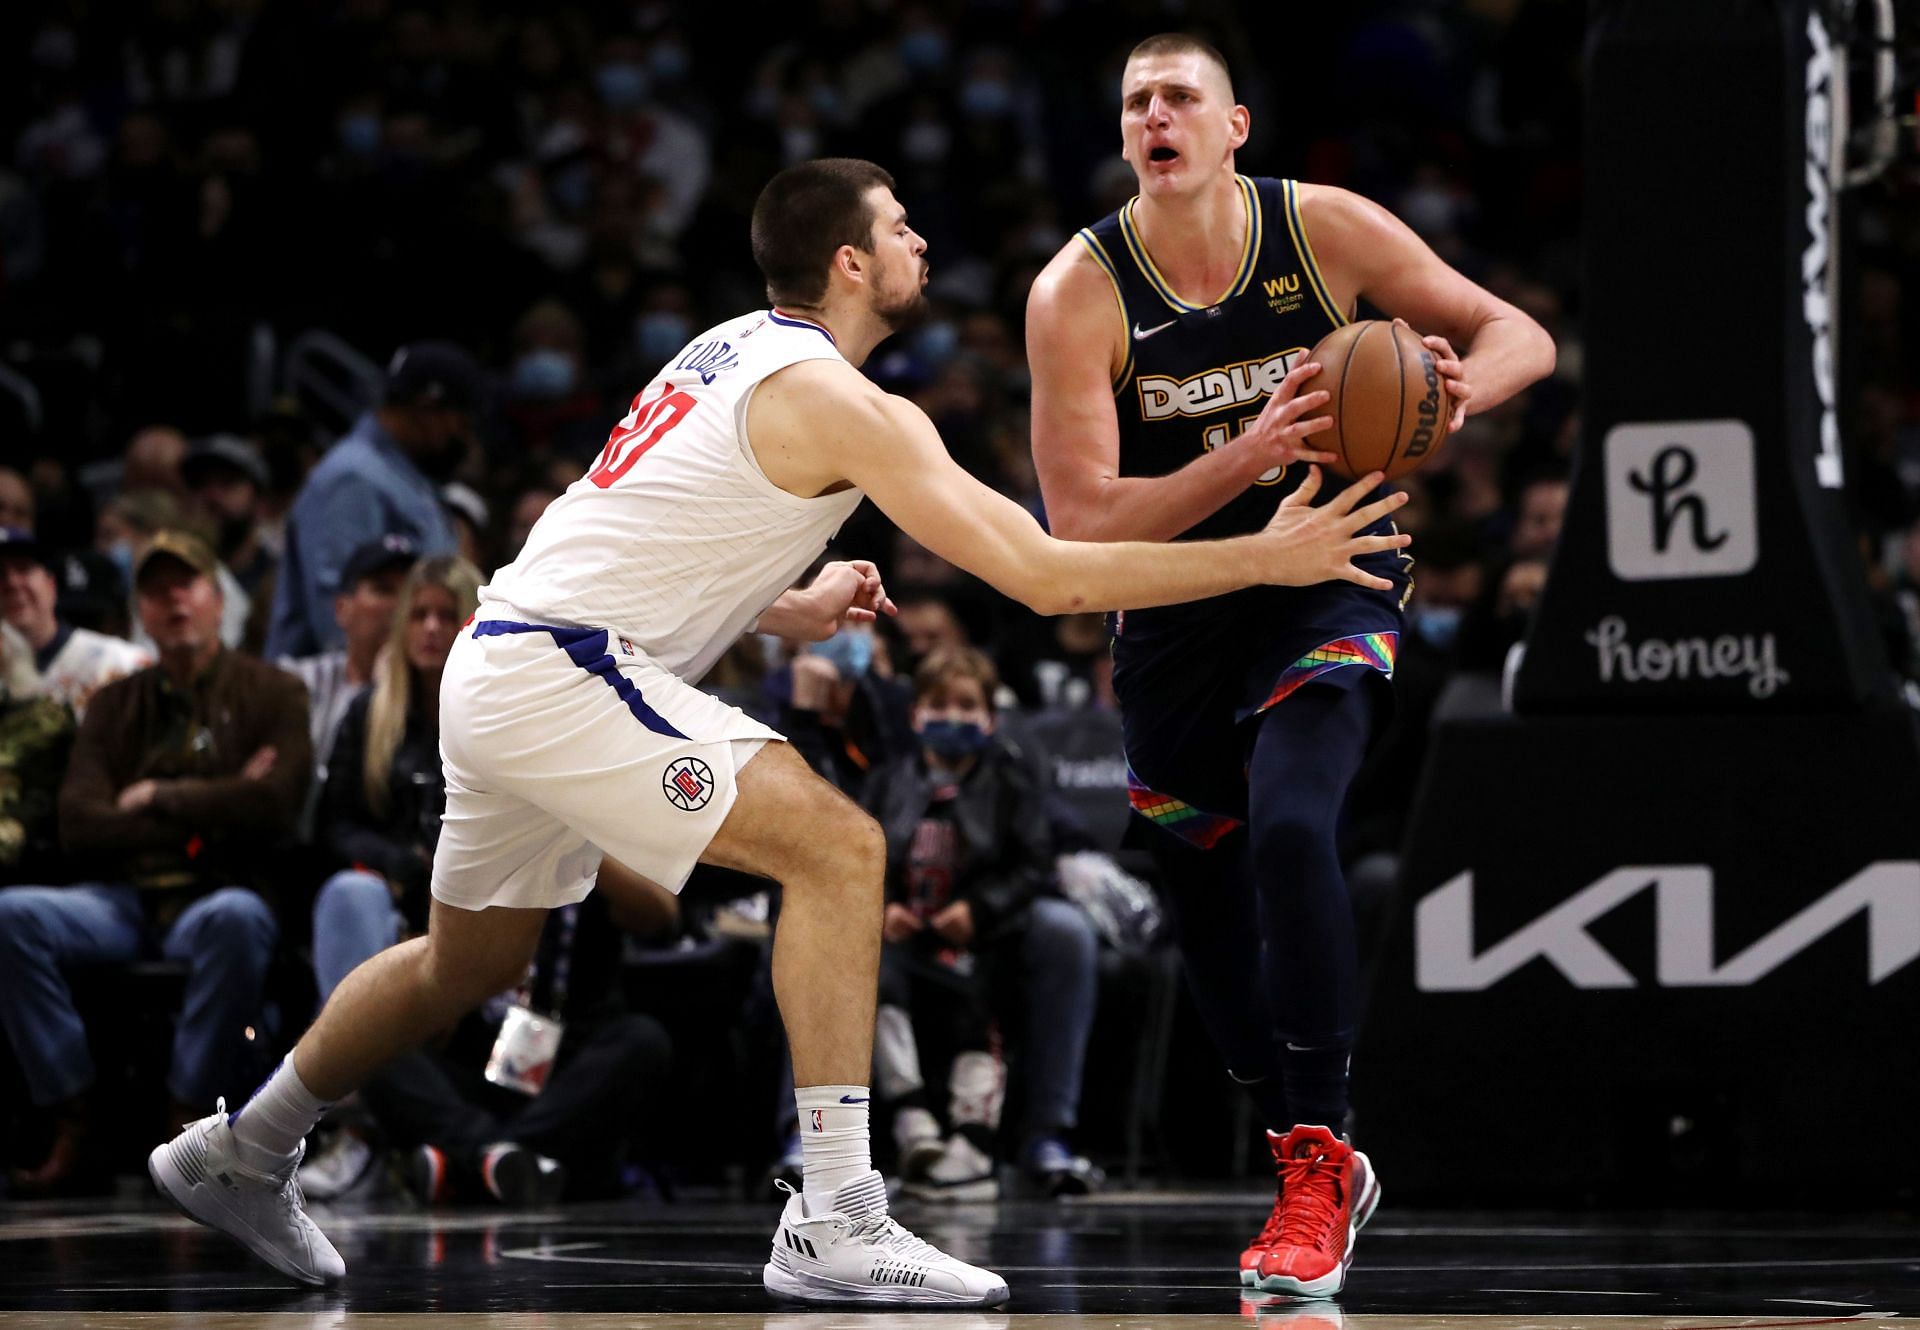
[(1196, 376), (1189, 676)]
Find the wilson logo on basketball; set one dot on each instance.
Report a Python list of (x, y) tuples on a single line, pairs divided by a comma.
[(688, 783), (1428, 427)]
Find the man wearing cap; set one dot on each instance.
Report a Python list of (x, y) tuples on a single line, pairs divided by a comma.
[(363, 611), (68, 664), (184, 779), (381, 479), (227, 477)]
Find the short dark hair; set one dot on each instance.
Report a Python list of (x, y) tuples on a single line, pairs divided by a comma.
[(804, 215), (1182, 43)]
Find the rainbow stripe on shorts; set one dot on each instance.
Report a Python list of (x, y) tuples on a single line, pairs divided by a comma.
[(1374, 649), (1177, 816)]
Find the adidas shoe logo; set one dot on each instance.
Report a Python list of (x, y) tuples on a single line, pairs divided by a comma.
[(797, 1243)]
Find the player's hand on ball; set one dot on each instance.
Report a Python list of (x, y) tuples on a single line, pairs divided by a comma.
[(1453, 370), (1278, 437), (1320, 544)]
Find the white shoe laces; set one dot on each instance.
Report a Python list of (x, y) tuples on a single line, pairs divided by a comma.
[(284, 1180), (885, 1232)]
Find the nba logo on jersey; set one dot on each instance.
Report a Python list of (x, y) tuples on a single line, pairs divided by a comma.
[(819, 1121), (688, 783)]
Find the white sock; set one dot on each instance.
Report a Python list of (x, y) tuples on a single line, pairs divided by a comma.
[(270, 1128), (833, 1139)]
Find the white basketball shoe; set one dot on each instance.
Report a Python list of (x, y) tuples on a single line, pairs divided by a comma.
[(855, 1252), (199, 1171)]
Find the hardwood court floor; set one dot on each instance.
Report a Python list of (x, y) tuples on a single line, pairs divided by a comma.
[(1126, 1262)]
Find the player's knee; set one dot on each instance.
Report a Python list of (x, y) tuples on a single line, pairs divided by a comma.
[(1294, 827), (849, 852), (467, 980), (866, 850)]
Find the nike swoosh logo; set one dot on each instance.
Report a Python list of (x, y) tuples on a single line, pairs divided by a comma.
[(1142, 334), (849, 1099)]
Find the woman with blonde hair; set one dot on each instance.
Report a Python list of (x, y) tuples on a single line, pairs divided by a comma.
[(380, 811)]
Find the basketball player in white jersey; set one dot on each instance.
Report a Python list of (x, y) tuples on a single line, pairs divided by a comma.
[(571, 726)]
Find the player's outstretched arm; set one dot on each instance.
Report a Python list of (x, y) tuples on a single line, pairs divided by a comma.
[(1075, 344), (820, 423)]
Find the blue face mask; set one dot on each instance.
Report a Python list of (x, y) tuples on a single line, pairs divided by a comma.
[(659, 336), (669, 61), (121, 557), (953, 740), (849, 653), (360, 133), (923, 50), (622, 85), (938, 341), (545, 373), (986, 99), (1436, 624)]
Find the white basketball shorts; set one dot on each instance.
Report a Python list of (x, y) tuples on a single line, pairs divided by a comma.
[(562, 744)]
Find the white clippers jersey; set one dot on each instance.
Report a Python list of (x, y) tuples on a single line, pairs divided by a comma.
[(676, 539)]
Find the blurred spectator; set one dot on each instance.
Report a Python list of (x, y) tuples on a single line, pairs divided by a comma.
[(68, 664), (968, 851), (472, 1132), (16, 500), (153, 459), (382, 479), (1542, 508), (182, 780), (841, 708), (129, 521), (369, 585), (228, 481), (526, 510), (926, 624), (551, 402), (380, 813), (468, 512)]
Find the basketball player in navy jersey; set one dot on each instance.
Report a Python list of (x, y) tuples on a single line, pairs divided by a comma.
[(1168, 346)]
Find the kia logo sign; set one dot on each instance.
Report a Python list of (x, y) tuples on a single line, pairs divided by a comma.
[(1447, 961)]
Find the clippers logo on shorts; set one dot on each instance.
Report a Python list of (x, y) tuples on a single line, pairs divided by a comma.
[(1680, 500), (688, 784), (819, 1121)]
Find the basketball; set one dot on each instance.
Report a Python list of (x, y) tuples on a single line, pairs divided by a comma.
[(1387, 399)]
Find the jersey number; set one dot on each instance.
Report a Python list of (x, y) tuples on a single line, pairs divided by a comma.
[(1218, 435), (651, 419)]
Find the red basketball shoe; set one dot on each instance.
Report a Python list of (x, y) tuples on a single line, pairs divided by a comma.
[(1327, 1191), (1269, 1231)]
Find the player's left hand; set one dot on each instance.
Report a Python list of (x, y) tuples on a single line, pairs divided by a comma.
[(1453, 370), (955, 923), (846, 592)]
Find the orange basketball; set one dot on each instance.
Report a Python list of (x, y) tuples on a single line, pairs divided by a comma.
[(1388, 402)]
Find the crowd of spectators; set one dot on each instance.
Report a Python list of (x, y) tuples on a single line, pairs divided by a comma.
[(508, 222)]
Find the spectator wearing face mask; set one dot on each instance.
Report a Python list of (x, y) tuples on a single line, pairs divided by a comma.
[(552, 405), (381, 479), (967, 929)]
